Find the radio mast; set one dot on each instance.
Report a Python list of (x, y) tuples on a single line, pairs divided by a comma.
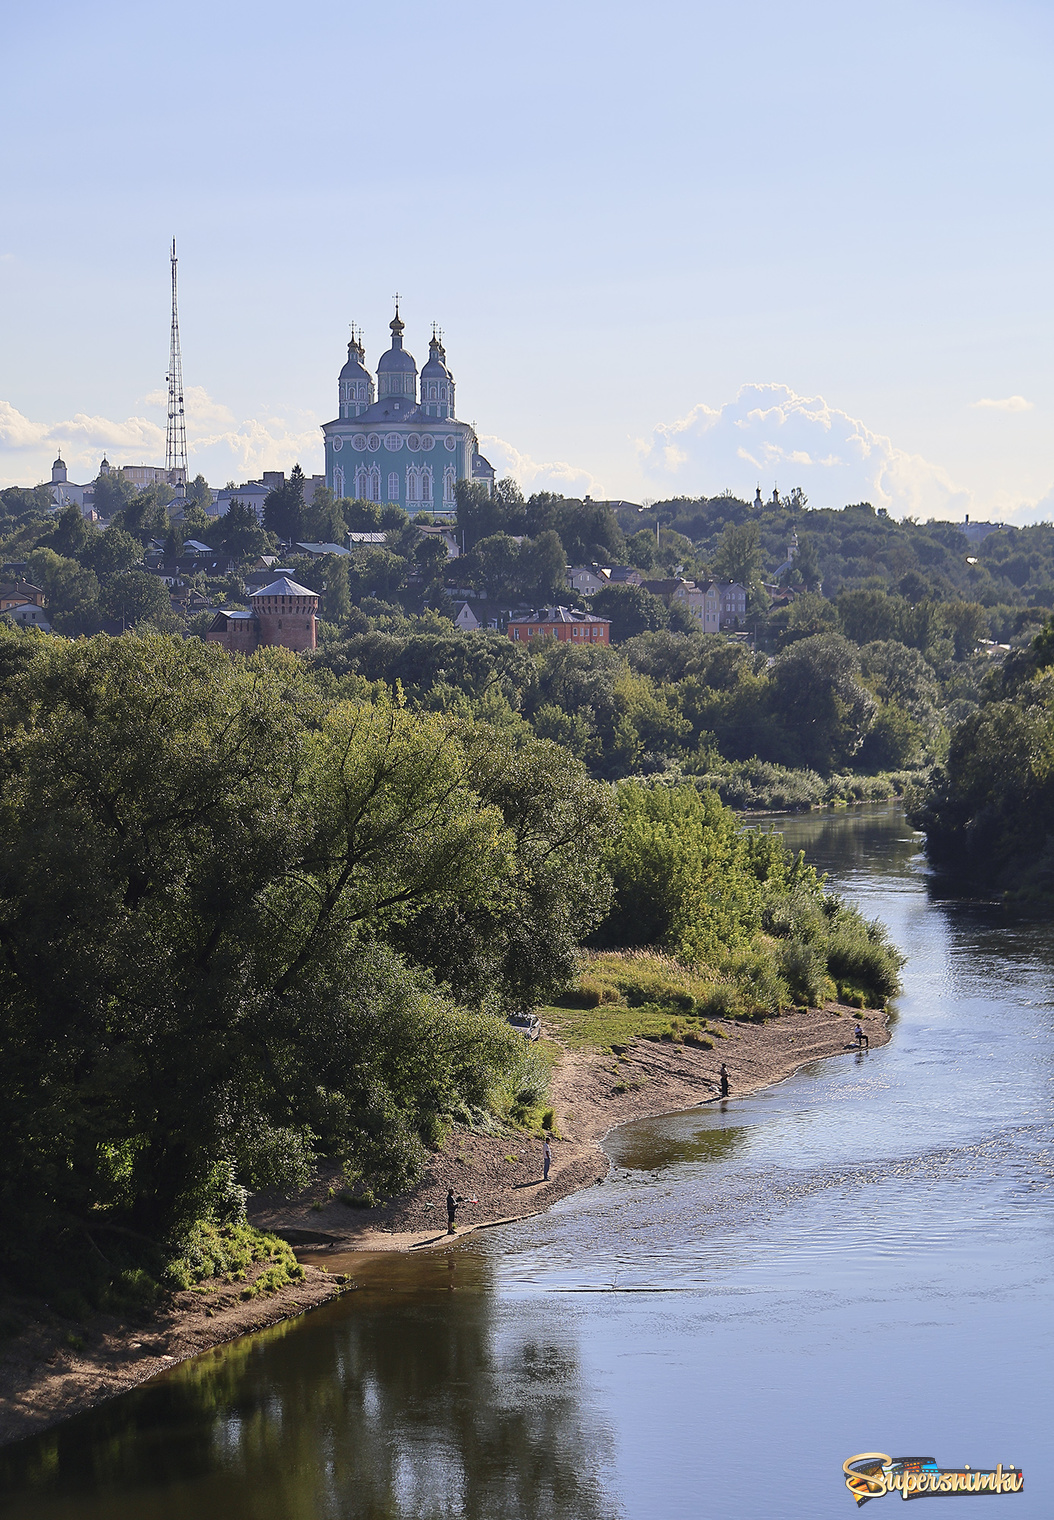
[(176, 438)]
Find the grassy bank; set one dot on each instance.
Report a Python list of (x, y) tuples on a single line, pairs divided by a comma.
[(643, 994)]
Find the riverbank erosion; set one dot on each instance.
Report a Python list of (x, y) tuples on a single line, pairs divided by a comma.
[(54, 1368)]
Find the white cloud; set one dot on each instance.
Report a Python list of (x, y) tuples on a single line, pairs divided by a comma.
[(770, 435), (530, 475), (219, 445), (1007, 404)]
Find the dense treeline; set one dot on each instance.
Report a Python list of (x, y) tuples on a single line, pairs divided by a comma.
[(254, 911), (667, 701), (988, 811)]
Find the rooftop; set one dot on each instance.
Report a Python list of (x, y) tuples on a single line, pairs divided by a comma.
[(284, 587), (558, 615)]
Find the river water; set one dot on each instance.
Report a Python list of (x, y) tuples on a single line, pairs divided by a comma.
[(856, 1260)]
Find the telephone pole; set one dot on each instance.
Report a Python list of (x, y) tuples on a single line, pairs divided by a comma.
[(176, 438)]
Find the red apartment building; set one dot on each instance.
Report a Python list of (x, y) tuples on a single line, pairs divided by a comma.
[(561, 623)]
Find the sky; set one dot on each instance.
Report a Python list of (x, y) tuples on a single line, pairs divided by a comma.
[(673, 249)]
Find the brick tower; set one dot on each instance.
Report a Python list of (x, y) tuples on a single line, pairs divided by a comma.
[(286, 615)]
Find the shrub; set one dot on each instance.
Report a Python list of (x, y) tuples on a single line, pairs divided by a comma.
[(723, 1002), (858, 962), (803, 967)]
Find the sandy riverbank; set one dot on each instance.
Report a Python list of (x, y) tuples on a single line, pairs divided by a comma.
[(54, 1369)]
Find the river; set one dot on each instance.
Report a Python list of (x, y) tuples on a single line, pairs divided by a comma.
[(856, 1260)]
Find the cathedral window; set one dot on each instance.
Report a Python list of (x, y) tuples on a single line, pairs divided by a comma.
[(413, 483), (338, 481), (393, 487), (449, 482), (426, 482)]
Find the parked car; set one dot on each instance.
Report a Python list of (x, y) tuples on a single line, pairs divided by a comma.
[(528, 1024)]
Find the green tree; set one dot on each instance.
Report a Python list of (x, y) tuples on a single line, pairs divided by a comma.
[(482, 513), (868, 615), (239, 533), (361, 516), (823, 707), (631, 609), (283, 508), (376, 572), (111, 552), (323, 519), (336, 598), (640, 550), (542, 569), (112, 494), (807, 563), (967, 623), (71, 591), (198, 492), (588, 530), (738, 556), (136, 596), (494, 567), (70, 533), (206, 867)]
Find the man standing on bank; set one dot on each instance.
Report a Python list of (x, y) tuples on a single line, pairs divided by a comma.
[(451, 1210), (547, 1157), (723, 1077)]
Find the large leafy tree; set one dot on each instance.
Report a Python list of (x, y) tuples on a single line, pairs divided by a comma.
[(71, 590), (739, 555), (206, 868), (136, 596), (630, 609), (818, 698)]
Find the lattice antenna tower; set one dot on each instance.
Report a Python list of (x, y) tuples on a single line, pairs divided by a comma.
[(176, 438)]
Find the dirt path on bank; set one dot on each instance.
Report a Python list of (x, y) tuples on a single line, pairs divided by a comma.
[(54, 1368)]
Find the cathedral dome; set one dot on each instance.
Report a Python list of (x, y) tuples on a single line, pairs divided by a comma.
[(354, 369), (435, 368), (396, 360), (397, 370)]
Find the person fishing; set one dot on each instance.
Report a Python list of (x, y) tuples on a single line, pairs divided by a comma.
[(861, 1038), (723, 1080), (451, 1210), (547, 1158)]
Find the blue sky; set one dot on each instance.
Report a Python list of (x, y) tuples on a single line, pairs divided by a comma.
[(673, 248)]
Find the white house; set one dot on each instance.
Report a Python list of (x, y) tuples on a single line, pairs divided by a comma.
[(466, 619)]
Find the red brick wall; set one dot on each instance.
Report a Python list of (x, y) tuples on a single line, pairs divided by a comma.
[(563, 631), (289, 621), (237, 638)]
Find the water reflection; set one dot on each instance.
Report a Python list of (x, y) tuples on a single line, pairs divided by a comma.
[(856, 1259), (417, 1397), (651, 1145)]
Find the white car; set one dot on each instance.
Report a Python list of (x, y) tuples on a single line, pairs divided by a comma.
[(528, 1024)]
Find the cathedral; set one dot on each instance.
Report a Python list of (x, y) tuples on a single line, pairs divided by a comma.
[(402, 442)]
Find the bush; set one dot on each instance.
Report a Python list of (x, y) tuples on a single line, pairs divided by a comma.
[(804, 969), (859, 963), (723, 1002)]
